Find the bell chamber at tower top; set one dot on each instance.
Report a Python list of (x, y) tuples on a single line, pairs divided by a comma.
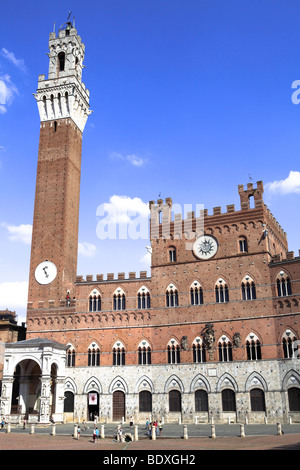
[(63, 94)]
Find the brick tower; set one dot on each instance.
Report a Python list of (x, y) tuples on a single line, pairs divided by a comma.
[(63, 104)]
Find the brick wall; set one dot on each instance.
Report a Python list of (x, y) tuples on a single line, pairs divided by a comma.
[(56, 211), (159, 324)]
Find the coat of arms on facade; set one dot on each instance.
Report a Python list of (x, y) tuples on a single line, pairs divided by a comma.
[(236, 340), (209, 339)]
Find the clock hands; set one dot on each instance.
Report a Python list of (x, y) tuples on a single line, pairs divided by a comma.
[(44, 269), (45, 272)]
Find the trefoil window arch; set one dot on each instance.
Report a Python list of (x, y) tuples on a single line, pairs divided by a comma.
[(143, 298), (283, 283), (71, 355), (290, 349), (196, 293), (144, 353), (119, 354), (95, 301), (93, 355), (199, 353), (221, 291), (248, 288), (119, 299), (173, 352), (225, 349), (171, 296), (253, 347)]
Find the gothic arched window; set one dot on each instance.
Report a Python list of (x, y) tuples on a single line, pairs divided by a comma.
[(95, 301), (283, 284), (196, 293), (71, 354), (144, 353), (248, 288), (253, 347), (288, 345), (171, 296), (143, 298), (93, 355), (225, 349), (173, 352), (198, 350), (119, 299), (221, 291), (118, 354)]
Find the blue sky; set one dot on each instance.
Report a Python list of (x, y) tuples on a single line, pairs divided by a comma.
[(189, 98)]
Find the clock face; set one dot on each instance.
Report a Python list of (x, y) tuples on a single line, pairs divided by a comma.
[(205, 247), (45, 272)]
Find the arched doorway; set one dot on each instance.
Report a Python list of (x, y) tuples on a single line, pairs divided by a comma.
[(93, 405), (201, 400), (26, 390), (294, 398), (228, 400), (118, 405), (145, 401), (174, 400), (69, 402), (69, 409)]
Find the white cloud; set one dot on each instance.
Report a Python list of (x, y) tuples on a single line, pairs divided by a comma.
[(13, 296), (129, 214), (289, 185), (146, 260), (87, 249), (133, 159), (19, 63), (7, 92), (119, 208), (21, 233)]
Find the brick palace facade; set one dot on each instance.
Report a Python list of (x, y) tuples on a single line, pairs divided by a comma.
[(212, 332)]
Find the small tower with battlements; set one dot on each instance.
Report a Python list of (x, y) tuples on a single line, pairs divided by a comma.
[(247, 194)]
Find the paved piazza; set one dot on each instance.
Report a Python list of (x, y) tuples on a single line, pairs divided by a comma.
[(257, 437)]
